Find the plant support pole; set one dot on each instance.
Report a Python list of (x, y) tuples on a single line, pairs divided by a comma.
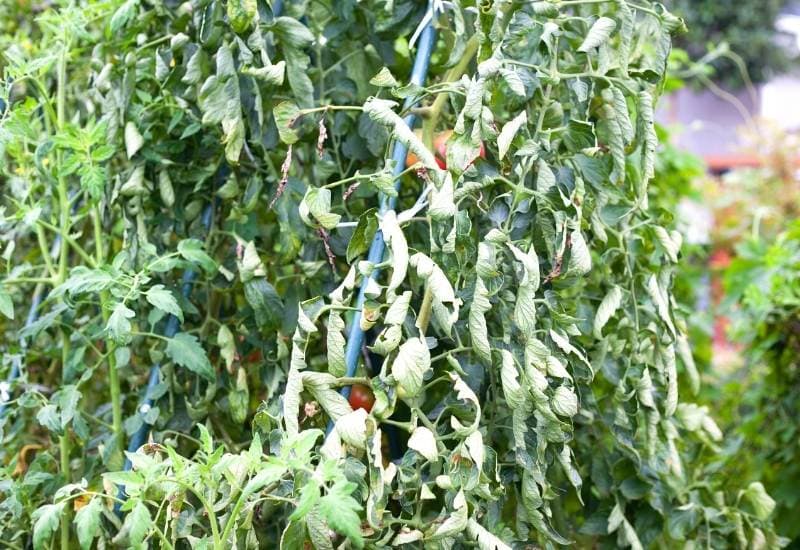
[(419, 73), (140, 436)]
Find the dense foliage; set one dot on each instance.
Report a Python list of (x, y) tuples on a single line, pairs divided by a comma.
[(530, 371), (762, 280), (748, 29)]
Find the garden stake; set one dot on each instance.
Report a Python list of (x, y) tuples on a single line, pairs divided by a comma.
[(419, 73), (138, 439)]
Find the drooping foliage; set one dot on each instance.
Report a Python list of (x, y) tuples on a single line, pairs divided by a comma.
[(532, 381)]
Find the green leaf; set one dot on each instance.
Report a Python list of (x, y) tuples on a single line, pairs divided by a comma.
[(83, 280), (317, 203), (336, 344), (192, 250), (509, 131), (123, 15), (340, 510), (609, 305), (294, 38), (119, 325), (269, 472), (185, 350), (88, 522), (599, 34), (413, 361), (362, 236), (762, 503), (384, 79), (266, 304), (286, 114), (163, 299), (138, 524), (46, 520), (242, 14), (220, 101), (6, 304), (133, 139)]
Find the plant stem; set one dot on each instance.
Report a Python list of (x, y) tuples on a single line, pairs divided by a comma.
[(326, 108), (350, 380), (45, 248), (23, 280), (61, 275), (429, 126), (69, 240), (113, 375)]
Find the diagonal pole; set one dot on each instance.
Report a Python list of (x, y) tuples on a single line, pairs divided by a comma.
[(355, 340)]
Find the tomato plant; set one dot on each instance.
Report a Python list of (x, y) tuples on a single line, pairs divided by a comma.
[(214, 174)]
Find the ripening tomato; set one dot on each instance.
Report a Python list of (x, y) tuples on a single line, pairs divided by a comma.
[(361, 397), (254, 356), (439, 149)]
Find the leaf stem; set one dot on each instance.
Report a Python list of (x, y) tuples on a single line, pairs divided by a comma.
[(113, 375), (45, 248), (429, 126), (326, 108)]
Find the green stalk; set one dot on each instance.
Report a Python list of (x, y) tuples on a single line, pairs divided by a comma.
[(428, 129), (113, 375), (429, 126), (61, 275)]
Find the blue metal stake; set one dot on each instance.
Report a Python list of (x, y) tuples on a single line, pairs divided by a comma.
[(138, 439), (419, 73), (140, 436)]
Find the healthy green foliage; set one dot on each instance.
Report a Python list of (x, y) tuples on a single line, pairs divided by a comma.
[(525, 352), (762, 282)]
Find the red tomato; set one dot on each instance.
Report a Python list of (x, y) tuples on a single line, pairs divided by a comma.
[(361, 397)]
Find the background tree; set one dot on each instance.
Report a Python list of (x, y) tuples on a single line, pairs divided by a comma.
[(747, 26)]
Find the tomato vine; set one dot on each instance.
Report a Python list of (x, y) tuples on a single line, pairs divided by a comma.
[(523, 349)]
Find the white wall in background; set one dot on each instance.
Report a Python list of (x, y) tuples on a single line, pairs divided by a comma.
[(780, 101)]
